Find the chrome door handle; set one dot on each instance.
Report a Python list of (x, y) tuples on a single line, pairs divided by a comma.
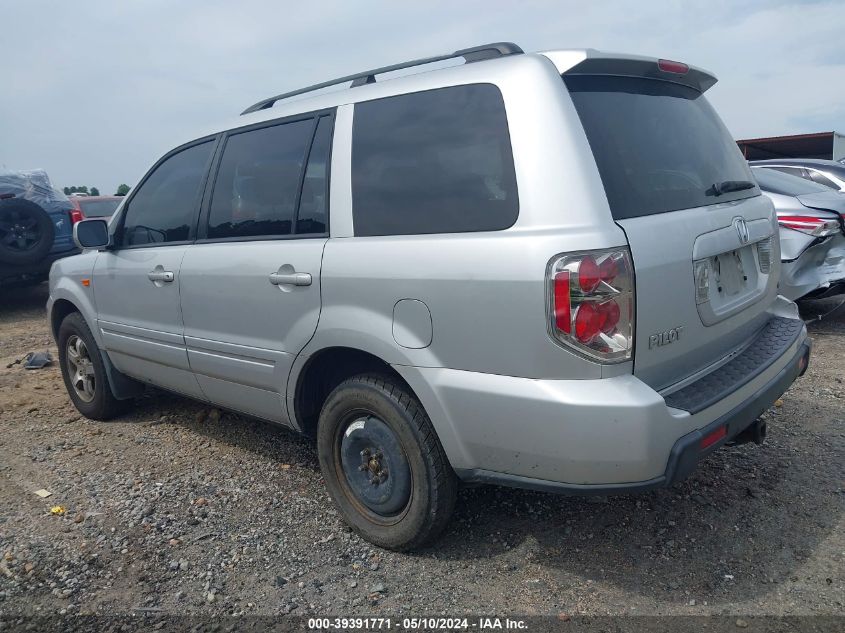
[(160, 275), (293, 279)]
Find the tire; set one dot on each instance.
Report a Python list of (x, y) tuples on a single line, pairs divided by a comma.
[(371, 419), (26, 232), (98, 402)]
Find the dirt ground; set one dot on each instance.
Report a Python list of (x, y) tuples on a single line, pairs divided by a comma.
[(176, 509)]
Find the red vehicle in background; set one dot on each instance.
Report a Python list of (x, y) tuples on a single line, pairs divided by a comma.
[(93, 207)]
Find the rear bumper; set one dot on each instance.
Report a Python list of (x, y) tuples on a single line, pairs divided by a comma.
[(685, 453), (588, 436)]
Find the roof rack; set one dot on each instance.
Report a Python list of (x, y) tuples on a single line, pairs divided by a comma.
[(474, 54)]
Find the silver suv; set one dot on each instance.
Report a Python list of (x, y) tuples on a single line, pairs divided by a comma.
[(551, 271)]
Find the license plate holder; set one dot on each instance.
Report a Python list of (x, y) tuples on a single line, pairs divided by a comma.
[(729, 273)]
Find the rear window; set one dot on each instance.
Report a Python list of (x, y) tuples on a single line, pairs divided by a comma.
[(776, 181), (98, 208), (438, 161), (659, 146)]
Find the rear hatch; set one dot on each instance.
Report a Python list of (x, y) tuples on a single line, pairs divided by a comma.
[(701, 236)]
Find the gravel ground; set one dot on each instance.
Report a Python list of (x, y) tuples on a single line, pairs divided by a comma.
[(176, 508)]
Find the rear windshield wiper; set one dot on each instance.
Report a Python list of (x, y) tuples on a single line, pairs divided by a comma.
[(726, 186)]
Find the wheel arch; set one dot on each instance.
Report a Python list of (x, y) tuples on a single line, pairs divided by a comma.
[(122, 387), (326, 368), (61, 308)]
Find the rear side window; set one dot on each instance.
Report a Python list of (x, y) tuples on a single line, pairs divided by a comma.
[(659, 146), (438, 161), (257, 185), (820, 178), (776, 181), (163, 208), (798, 172)]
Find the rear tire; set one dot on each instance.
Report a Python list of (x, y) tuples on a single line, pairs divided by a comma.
[(383, 463), (84, 372), (26, 232)]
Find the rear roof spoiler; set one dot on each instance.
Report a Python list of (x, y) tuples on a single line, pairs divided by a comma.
[(600, 63)]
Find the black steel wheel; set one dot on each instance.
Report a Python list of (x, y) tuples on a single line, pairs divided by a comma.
[(383, 463), (375, 468)]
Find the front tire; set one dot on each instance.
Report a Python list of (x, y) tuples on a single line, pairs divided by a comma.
[(84, 372), (383, 463)]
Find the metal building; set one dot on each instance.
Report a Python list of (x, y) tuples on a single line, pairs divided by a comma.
[(826, 145)]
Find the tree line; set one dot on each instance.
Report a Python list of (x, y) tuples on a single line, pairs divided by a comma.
[(122, 190)]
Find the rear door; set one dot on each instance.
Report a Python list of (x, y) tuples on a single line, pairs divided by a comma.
[(250, 286), (137, 283), (700, 233)]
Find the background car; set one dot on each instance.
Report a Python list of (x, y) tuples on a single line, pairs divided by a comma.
[(36, 227), (829, 173), (812, 234), (94, 206)]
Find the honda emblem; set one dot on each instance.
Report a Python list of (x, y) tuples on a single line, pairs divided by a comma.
[(741, 230)]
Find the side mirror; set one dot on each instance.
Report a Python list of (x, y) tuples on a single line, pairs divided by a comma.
[(93, 233)]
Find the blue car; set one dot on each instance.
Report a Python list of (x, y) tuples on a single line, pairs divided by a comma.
[(36, 227)]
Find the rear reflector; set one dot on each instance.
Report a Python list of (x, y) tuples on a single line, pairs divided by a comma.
[(803, 363), (668, 66), (713, 437)]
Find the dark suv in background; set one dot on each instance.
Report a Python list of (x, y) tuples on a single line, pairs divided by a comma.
[(36, 227)]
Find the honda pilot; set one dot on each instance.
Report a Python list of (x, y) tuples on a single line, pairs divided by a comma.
[(551, 271)]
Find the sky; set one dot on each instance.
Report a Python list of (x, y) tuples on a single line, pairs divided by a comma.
[(95, 91)]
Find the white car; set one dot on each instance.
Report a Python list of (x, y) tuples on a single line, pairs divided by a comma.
[(829, 173), (812, 234)]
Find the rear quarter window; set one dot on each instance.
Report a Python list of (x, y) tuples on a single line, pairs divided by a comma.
[(438, 161)]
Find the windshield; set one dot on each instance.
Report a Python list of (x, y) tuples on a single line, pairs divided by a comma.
[(775, 181), (98, 208), (659, 146)]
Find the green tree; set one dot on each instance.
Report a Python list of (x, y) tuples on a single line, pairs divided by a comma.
[(122, 190), (95, 191)]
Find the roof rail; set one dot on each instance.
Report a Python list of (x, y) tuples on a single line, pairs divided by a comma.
[(474, 54)]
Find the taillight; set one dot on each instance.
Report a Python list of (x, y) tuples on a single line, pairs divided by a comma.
[(76, 216), (591, 303), (817, 226), (764, 254)]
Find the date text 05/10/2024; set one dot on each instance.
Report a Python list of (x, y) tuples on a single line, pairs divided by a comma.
[(413, 624)]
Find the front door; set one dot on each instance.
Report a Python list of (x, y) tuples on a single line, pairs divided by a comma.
[(250, 286), (137, 283)]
